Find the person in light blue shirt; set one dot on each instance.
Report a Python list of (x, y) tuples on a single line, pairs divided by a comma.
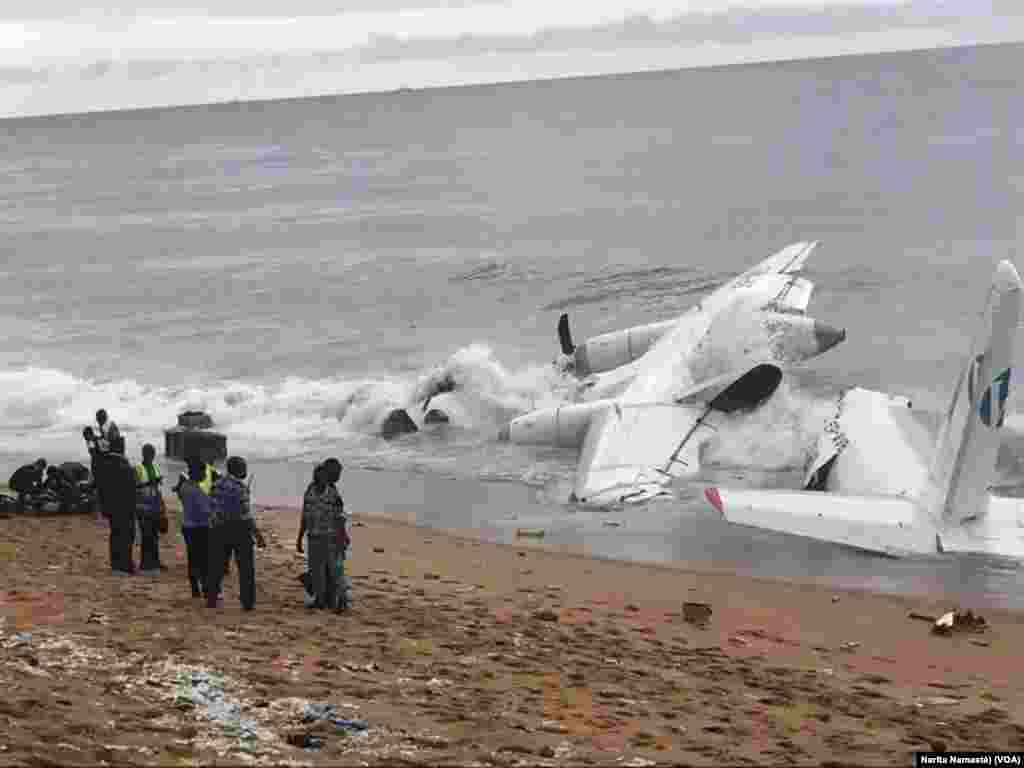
[(195, 526)]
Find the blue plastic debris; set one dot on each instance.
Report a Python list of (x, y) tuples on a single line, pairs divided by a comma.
[(326, 712), (207, 690), (23, 637)]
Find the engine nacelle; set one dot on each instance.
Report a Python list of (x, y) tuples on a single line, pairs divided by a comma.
[(611, 350), (564, 426)]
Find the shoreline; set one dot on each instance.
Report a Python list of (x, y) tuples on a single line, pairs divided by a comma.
[(462, 651)]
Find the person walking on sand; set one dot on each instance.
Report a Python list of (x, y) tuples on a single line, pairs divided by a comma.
[(195, 525), (322, 519), (232, 531), (149, 508)]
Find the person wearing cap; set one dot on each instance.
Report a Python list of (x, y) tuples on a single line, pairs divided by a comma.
[(232, 531), (148, 508)]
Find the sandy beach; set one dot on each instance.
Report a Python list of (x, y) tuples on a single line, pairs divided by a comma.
[(459, 651)]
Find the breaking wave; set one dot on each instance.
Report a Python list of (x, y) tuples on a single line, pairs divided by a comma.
[(780, 435), (44, 410)]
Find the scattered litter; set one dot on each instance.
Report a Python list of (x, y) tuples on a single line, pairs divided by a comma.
[(546, 615), (95, 617), (980, 643), (959, 621), (379, 550), (304, 741), (207, 690), (317, 711), (937, 701), (611, 524), (922, 617), (850, 646), (639, 762), (696, 613), (736, 640), (835, 598), (530, 533), (553, 726)]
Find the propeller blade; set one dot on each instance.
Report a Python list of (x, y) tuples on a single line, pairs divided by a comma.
[(564, 336)]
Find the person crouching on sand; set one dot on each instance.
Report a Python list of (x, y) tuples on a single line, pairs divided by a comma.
[(232, 531), (322, 519), (195, 527)]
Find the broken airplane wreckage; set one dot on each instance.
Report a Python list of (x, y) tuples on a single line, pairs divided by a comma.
[(653, 392), (883, 481)]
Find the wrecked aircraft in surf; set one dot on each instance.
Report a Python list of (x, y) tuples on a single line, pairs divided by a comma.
[(654, 392), (885, 482)]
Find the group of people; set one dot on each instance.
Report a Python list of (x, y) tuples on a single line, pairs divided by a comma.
[(217, 519), (218, 524)]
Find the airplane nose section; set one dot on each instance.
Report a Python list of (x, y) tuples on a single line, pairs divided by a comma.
[(827, 336), (504, 433)]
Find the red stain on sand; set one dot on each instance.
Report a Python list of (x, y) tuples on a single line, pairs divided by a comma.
[(28, 609), (503, 615)]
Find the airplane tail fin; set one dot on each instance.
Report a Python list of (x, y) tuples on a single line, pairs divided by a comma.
[(968, 440)]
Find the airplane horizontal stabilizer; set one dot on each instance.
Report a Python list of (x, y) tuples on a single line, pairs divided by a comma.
[(885, 524)]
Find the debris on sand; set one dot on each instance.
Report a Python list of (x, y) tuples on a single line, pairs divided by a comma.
[(697, 613), (530, 533), (959, 621), (320, 711)]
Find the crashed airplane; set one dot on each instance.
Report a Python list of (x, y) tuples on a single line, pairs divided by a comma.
[(654, 392), (882, 481)]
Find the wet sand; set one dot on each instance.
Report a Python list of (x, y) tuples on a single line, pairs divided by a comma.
[(459, 651)]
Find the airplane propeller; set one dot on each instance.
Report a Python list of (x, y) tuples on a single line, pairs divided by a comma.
[(564, 335)]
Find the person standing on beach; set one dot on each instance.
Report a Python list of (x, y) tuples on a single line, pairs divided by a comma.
[(195, 525), (107, 437), (147, 480), (232, 531), (322, 519), (119, 504), (342, 537)]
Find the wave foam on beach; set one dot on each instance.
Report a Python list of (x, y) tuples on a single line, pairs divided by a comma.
[(44, 410)]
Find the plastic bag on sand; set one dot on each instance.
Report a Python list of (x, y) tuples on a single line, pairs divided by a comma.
[(317, 711)]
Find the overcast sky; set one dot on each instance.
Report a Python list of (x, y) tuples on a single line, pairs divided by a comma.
[(61, 56)]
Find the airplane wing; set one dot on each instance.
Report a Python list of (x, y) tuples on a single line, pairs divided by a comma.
[(632, 450), (648, 437), (889, 525)]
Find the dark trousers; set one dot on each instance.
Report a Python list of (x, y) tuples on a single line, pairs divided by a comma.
[(197, 548), (122, 538), (226, 539), (149, 527), (322, 564)]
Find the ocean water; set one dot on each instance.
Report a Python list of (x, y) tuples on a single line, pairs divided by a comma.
[(297, 268)]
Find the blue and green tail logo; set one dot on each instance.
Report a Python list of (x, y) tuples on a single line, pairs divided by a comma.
[(1000, 390)]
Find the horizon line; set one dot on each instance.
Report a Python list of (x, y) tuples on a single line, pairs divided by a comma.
[(660, 70)]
